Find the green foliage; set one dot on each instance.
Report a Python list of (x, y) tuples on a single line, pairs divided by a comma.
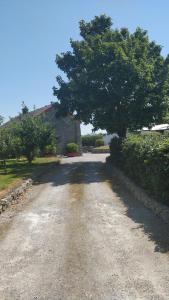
[(72, 147), (29, 137), (1, 120), (35, 135), (146, 159), (99, 142), (90, 139), (49, 150), (5, 143), (116, 79), (25, 109)]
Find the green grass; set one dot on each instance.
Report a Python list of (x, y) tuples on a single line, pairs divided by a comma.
[(102, 148), (20, 170)]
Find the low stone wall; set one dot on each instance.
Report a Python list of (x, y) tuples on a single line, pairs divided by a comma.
[(159, 209), (15, 195)]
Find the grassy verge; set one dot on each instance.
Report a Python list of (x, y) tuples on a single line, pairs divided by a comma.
[(103, 148), (17, 171)]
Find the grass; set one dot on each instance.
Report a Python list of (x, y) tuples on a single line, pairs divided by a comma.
[(102, 147), (17, 171)]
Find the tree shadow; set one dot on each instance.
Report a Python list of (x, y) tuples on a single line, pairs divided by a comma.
[(156, 230), (74, 173)]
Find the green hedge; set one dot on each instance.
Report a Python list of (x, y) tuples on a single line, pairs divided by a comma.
[(145, 158), (90, 139), (99, 142)]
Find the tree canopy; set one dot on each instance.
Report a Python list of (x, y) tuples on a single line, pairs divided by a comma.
[(1, 120), (115, 79), (30, 136), (25, 109)]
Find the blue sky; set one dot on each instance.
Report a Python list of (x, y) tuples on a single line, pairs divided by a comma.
[(33, 31)]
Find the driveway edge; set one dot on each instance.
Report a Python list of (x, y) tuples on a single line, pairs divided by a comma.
[(159, 209), (15, 195)]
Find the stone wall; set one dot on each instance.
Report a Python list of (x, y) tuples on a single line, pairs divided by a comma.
[(139, 194), (67, 130), (15, 195)]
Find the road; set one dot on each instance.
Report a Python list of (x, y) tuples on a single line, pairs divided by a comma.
[(81, 236)]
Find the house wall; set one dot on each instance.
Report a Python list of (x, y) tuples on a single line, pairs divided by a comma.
[(67, 130)]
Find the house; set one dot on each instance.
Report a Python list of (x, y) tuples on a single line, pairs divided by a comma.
[(67, 128)]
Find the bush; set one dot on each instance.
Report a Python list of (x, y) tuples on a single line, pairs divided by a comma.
[(90, 139), (146, 160), (99, 142), (50, 150), (71, 148)]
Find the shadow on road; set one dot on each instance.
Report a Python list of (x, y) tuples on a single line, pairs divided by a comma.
[(156, 230), (74, 173), (87, 172)]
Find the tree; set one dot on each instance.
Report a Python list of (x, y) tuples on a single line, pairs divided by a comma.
[(25, 109), (5, 145), (34, 134), (47, 138), (116, 80), (1, 120)]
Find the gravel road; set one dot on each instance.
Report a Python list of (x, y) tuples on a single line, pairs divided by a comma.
[(82, 236)]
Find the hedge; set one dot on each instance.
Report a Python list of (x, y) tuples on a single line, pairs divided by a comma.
[(145, 158), (90, 139)]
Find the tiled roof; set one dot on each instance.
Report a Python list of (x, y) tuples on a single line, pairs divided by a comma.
[(35, 113)]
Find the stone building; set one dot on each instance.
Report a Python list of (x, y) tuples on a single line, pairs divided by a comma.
[(67, 128)]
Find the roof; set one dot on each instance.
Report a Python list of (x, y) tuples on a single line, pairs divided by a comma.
[(40, 111), (35, 113)]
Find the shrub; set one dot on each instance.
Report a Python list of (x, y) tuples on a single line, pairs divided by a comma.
[(146, 160), (99, 142), (50, 150), (90, 139), (72, 147)]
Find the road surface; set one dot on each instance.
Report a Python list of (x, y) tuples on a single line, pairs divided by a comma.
[(81, 236)]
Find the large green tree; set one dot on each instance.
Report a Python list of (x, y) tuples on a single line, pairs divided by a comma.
[(115, 79)]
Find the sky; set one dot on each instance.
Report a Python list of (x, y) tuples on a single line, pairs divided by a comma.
[(32, 32)]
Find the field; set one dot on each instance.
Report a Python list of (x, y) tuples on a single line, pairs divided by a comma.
[(17, 171)]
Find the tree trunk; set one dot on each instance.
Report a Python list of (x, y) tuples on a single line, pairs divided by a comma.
[(122, 131), (5, 167)]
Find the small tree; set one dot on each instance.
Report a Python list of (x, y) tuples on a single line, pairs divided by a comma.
[(25, 109), (35, 135), (27, 131), (1, 120), (5, 145)]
